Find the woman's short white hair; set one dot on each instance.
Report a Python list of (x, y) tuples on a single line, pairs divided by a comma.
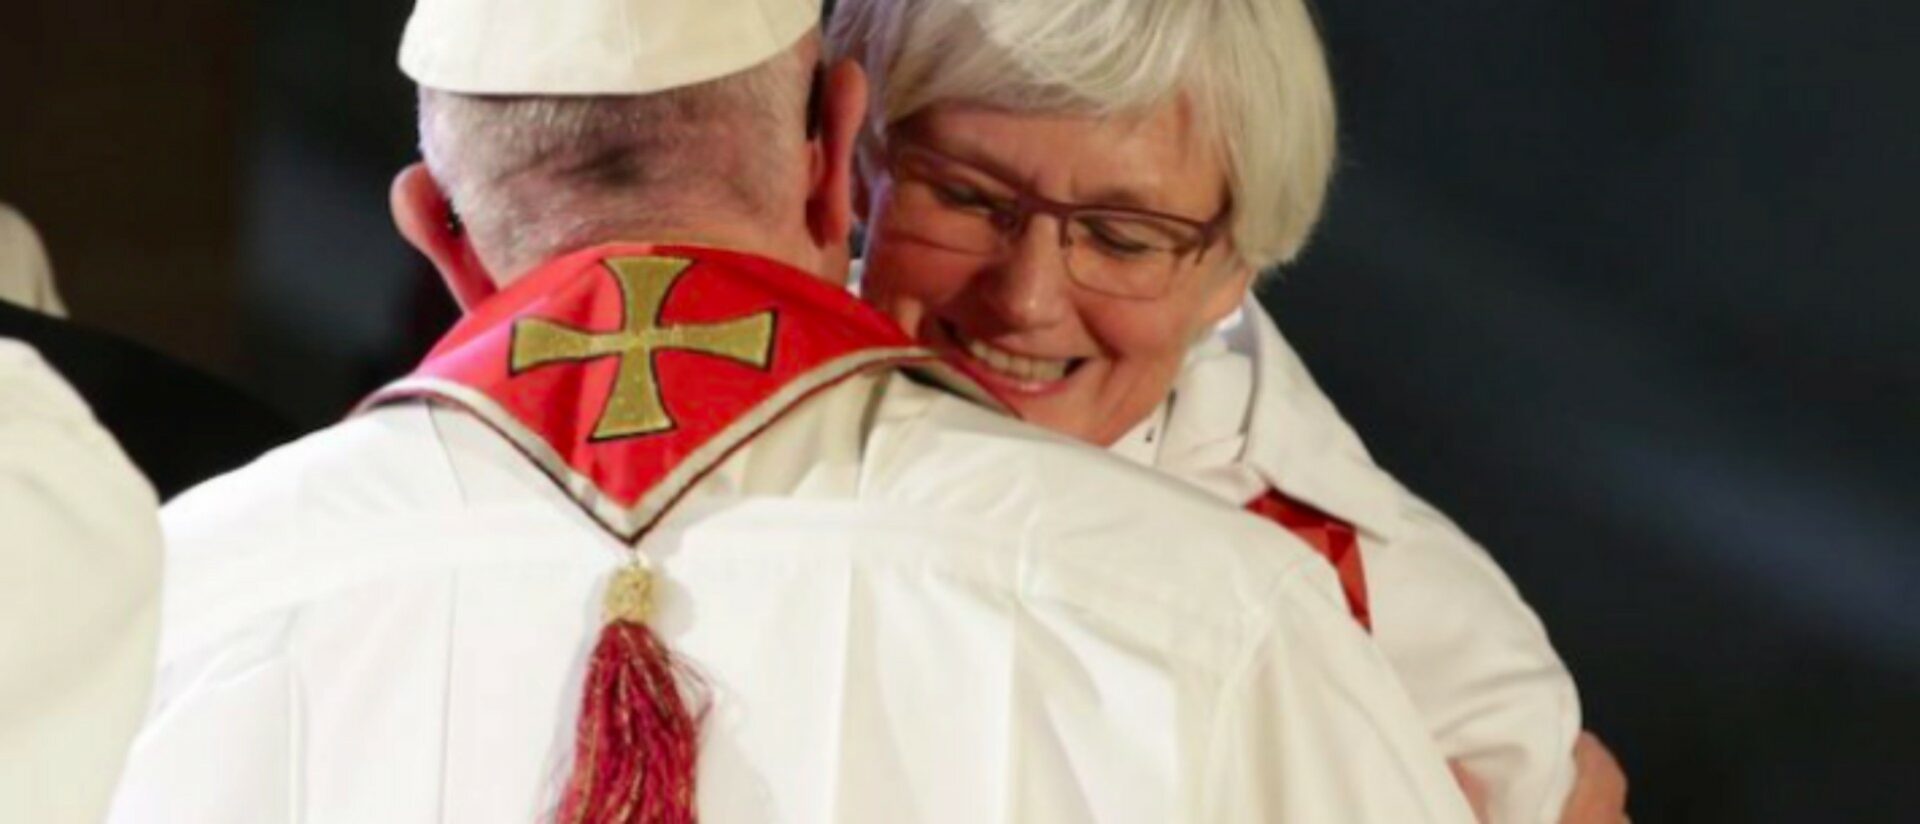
[(1253, 70)]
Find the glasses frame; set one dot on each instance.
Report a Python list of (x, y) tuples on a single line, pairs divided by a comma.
[(1027, 203)]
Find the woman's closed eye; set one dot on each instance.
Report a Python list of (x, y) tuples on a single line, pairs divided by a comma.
[(1118, 239)]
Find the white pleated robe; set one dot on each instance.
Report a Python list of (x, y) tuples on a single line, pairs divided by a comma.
[(904, 608)]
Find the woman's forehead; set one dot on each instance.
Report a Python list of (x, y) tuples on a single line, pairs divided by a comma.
[(1142, 158)]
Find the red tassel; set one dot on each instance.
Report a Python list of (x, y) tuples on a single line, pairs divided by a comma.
[(636, 748)]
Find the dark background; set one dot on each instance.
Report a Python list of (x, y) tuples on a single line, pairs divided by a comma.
[(1625, 286)]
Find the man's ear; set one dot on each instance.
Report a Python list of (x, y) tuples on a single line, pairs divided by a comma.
[(830, 202), (425, 218)]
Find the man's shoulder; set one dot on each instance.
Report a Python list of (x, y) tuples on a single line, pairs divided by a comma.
[(367, 501), (1096, 526)]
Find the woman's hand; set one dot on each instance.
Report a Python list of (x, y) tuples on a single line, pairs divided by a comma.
[(1599, 785), (1474, 789)]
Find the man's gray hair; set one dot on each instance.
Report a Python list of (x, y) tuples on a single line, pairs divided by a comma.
[(533, 177)]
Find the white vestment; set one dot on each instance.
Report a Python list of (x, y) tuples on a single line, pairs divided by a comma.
[(905, 609), (79, 586), (1245, 417), (26, 276)]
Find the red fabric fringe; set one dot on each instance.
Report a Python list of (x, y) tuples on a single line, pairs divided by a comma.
[(638, 740)]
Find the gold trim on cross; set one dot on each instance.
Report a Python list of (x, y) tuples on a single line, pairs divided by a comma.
[(634, 407)]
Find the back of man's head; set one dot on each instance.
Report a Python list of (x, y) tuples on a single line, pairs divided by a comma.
[(533, 176), (550, 127)]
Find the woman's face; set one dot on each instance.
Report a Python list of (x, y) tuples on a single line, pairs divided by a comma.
[(1078, 360)]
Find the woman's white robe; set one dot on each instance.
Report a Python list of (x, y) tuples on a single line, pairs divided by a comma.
[(1245, 417)]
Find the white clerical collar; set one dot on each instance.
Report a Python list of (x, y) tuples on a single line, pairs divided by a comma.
[(1203, 434)]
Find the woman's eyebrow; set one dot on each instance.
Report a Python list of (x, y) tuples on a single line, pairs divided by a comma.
[(1126, 195), (978, 159), (1120, 195)]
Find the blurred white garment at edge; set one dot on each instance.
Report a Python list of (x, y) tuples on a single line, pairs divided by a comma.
[(26, 276), (79, 584)]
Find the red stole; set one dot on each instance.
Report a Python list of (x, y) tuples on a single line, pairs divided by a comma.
[(626, 373), (1333, 538)]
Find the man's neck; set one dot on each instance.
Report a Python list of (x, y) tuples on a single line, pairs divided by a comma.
[(736, 238), (827, 264)]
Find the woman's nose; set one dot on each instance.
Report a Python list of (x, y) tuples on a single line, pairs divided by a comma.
[(1029, 282)]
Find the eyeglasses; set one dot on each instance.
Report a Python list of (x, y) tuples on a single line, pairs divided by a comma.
[(1113, 250)]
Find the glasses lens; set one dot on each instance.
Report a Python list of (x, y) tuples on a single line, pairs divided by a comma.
[(1126, 254), (948, 208)]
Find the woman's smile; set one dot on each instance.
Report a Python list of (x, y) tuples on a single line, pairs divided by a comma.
[(1005, 370)]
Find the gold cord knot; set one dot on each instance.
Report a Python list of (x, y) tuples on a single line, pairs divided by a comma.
[(630, 593)]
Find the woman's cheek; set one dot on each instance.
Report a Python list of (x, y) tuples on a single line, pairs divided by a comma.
[(1143, 331)]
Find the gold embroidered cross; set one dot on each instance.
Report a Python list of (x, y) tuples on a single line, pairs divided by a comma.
[(634, 408)]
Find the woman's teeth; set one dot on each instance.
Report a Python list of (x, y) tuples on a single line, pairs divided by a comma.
[(1017, 366)]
